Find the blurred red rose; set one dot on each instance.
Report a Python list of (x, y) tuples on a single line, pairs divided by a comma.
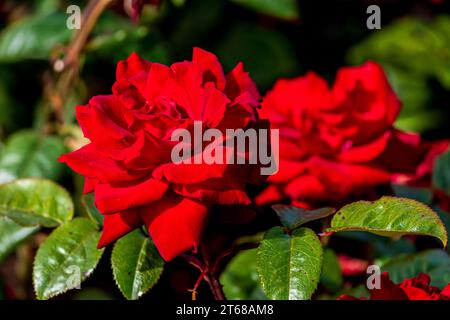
[(134, 7), (339, 142), (352, 266), (417, 288), (128, 162)]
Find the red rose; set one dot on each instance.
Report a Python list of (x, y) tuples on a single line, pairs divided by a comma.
[(128, 162), (338, 142), (134, 7), (352, 266), (417, 288)]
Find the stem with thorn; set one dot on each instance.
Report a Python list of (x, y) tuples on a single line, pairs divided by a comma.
[(57, 88)]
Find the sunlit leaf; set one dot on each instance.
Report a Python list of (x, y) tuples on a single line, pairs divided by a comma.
[(27, 154), (136, 264), (11, 235), (391, 217), (240, 277), (289, 266), (33, 37), (31, 202), (66, 258)]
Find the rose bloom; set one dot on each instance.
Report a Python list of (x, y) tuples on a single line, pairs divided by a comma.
[(340, 142), (128, 163), (352, 266), (417, 288)]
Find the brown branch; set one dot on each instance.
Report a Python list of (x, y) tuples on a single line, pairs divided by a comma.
[(211, 277), (57, 88), (89, 18)]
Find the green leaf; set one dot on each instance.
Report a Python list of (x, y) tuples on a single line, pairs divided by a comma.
[(136, 264), (441, 173), (31, 202), (33, 37), (293, 217), (240, 277), (389, 217), (283, 9), (267, 54), (27, 154), (435, 263), (11, 235), (289, 266), (88, 202), (67, 257), (331, 277)]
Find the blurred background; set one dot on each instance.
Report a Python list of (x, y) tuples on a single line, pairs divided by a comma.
[(282, 38)]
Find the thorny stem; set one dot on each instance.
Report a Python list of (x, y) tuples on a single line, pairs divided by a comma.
[(192, 260), (90, 16), (58, 90), (209, 272), (211, 277)]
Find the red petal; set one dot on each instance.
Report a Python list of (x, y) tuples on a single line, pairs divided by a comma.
[(117, 225), (132, 66), (370, 76), (89, 185), (211, 67), (102, 122), (89, 162), (446, 291), (366, 152), (240, 87), (113, 198), (271, 194), (388, 290), (215, 191), (175, 224), (189, 173)]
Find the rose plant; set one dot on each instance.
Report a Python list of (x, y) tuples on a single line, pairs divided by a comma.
[(335, 145)]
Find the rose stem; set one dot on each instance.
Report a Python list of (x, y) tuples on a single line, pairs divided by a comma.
[(57, 91), (210, 277)]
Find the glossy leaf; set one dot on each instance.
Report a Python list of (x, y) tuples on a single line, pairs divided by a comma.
[(31, 202), (289, 266), (435, 263), (390, 217), (331, 276), (27, 154), (136, 264), (293, 217), (88, 202), (283, 9), (11, 235), (33, 37), (240, 277), (66, 258)]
